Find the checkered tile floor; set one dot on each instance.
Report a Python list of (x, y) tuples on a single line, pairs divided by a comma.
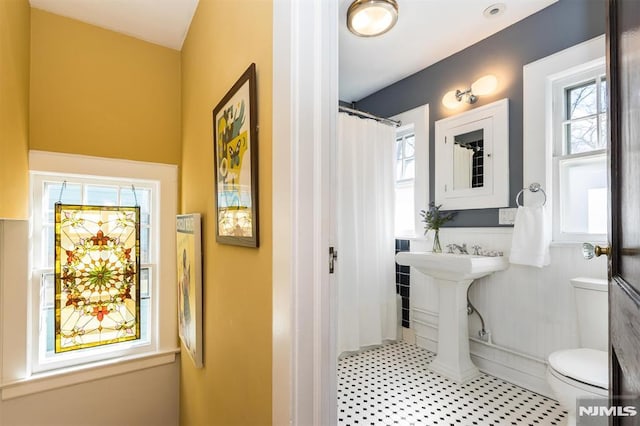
[(391, 385)]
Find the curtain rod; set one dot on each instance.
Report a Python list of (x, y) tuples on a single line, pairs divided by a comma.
[(367, 115)]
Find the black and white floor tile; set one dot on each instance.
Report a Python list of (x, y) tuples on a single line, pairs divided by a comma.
[(391, 385)]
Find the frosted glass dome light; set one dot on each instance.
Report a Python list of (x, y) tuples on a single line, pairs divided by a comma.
[(485, 85), (369, 18)]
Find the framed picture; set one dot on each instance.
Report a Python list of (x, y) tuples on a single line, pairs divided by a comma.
[(235, 143), (189, 262)]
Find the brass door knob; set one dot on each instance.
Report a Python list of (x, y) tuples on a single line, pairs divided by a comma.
[(589, 251)]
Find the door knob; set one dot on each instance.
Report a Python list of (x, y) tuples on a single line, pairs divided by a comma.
[(589, 251)]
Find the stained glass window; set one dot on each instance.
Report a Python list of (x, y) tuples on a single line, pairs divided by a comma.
[(97, 274)]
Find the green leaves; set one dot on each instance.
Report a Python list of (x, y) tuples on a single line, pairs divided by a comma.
[(433, 218)]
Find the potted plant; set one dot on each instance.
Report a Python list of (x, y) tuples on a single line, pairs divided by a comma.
[(434, 219)]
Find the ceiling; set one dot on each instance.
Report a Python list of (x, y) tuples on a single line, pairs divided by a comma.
[(163, 22), (427, 32)]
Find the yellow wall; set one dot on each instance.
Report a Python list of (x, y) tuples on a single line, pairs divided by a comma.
[(234, 387), (96, 92), (14, 108)]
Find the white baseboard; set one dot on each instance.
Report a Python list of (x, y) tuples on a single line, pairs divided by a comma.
[(408, 336), (510, 366), (520, 369)]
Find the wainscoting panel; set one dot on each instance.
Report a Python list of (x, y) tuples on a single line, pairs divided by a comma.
[(529, 312)]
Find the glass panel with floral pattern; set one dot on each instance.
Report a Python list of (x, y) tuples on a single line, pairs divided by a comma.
[(97, 264)]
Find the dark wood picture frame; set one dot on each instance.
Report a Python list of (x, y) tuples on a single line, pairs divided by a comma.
[(235, 143)]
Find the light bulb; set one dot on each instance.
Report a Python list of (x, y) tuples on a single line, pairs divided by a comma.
[(484, 85), (373, 17), (450, 101)]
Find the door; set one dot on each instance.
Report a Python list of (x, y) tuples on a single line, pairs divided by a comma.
[(623, 60)]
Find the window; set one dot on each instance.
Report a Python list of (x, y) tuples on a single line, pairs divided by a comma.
[(98, 181), (405, 180), (579, 156), (83, 190)]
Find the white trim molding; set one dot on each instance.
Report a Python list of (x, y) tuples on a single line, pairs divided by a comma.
[(493, 120), (305, 102), (419, 117), (17, 378), (538, 78)]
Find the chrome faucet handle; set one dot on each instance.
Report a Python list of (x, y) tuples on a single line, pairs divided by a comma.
[(476, 250), (450, 248), (463, 249)]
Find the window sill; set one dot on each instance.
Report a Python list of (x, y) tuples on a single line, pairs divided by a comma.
[(80, 374)]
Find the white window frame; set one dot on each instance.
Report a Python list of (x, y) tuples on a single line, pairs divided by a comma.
[(40, 360), (19, 369), (538, 78), (588, 72), (402, 133), (418, 118)]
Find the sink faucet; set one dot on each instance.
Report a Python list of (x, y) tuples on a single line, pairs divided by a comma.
[(462, 249)]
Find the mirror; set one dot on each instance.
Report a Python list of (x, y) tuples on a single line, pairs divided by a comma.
[(468, 156), (472, 158)]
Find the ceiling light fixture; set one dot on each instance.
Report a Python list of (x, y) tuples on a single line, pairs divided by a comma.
[(494, 10), (370, 18), (482, 86)]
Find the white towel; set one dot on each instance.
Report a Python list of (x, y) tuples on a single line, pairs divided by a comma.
[(530, 245)]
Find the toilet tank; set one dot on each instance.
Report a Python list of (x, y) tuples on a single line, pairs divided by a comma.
[(591, 296)]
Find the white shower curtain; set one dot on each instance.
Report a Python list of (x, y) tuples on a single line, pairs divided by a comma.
[(365, 240), (462, 167)]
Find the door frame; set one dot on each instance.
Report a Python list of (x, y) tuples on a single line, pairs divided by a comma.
[(305, 100)]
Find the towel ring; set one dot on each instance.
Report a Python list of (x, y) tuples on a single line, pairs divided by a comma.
[(534, 187)]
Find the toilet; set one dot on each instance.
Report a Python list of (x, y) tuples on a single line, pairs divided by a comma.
[(583, 372)]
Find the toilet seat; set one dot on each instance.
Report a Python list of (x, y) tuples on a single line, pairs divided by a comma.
[(589, 367)]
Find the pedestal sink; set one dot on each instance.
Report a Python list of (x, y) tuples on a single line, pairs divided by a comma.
[(453, 273)]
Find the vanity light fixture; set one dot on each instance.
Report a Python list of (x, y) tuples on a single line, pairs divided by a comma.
[(370, 18), (482, 86)]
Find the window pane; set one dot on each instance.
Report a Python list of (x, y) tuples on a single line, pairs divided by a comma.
[(409, 147), (102, 195), (47, 291), (582, 136), (582, 101), (144, 283), (603, 95), (399, 170), (47, 298), (603, 130), (48, 237), (49, 327), (584, 195), (72, 194), (144, 245), (399, 149), (142, 197), (404, 217), (409, 169)]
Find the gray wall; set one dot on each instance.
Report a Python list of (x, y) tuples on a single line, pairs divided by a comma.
[(553, 29)]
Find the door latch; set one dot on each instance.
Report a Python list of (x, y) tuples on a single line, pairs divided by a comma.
[(333, 256)]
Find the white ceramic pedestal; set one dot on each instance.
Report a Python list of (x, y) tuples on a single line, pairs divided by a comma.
[(453, 360), (453, 273)]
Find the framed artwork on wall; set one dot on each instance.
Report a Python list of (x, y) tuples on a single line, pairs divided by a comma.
[(235, 143), (189, 262)]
